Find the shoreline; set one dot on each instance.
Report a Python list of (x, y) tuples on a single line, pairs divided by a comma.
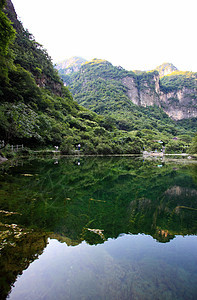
[(145, 155)]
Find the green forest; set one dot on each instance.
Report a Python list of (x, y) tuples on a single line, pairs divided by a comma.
[(98, 87), (37, 110)]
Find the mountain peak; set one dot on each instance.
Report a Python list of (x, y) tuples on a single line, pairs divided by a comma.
[(166, 69)]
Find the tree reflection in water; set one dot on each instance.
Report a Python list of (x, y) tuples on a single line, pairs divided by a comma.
[(98, 199)]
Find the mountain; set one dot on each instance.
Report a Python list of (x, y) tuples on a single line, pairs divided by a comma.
[(70, 65), (31, 55), (36, 109), (165, 69), (98, 83)]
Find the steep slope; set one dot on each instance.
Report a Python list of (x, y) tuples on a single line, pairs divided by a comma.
[(133, 100), (98, 83), (178, 94), (35, 107), (31, 56)]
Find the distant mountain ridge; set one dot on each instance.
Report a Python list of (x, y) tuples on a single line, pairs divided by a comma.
[(175, 93), (74, 63)]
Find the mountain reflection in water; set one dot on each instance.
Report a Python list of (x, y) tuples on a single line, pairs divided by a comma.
[(94, 203)]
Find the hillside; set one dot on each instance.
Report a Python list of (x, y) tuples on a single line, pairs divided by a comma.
[(97, 80), (135, 101), (35, 107)]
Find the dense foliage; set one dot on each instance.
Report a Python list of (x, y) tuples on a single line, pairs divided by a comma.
[(193, 147), (98, 86), (7, 34), (37, 110), (178, 80)]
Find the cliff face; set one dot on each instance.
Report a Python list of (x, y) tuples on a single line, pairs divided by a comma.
[(149, 90), (99, 81), (132, 92), (141, 92), (178, 104)]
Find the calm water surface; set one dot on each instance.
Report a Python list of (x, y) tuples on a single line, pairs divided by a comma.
[(98, 228)]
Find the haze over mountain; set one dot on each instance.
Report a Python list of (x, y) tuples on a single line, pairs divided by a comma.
[(70, 65), (74, 63)]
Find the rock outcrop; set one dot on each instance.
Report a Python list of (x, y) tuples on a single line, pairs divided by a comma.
[(178, 104), (132, 92)]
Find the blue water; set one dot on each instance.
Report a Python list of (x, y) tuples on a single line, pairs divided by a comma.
[(129, 267), (109, 228)]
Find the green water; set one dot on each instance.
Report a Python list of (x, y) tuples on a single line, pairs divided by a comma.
[(98, 228)]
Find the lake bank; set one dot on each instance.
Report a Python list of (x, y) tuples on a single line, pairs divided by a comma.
[(181, 157)]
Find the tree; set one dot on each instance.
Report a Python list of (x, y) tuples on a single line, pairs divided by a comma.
[(7, 34), (193, 147), (18, 121)]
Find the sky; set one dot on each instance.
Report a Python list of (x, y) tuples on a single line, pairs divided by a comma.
[(134, 34)]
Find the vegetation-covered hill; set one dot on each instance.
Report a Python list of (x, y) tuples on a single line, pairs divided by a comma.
[(101, 87), (177, 80), (35, 107), (37, 110), (113, 91)]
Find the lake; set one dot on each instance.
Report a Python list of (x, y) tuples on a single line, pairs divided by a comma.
[(98, 228)]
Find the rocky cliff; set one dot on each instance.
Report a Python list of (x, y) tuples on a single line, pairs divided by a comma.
[(143, 91), (175, 93), (179, 103)]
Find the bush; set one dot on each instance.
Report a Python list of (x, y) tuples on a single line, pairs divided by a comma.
[(67, 146), (193, 147), (104, 149), (175, 146)]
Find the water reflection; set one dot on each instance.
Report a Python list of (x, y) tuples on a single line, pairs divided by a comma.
[(96, 200), (130, 267), (18, 248)]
